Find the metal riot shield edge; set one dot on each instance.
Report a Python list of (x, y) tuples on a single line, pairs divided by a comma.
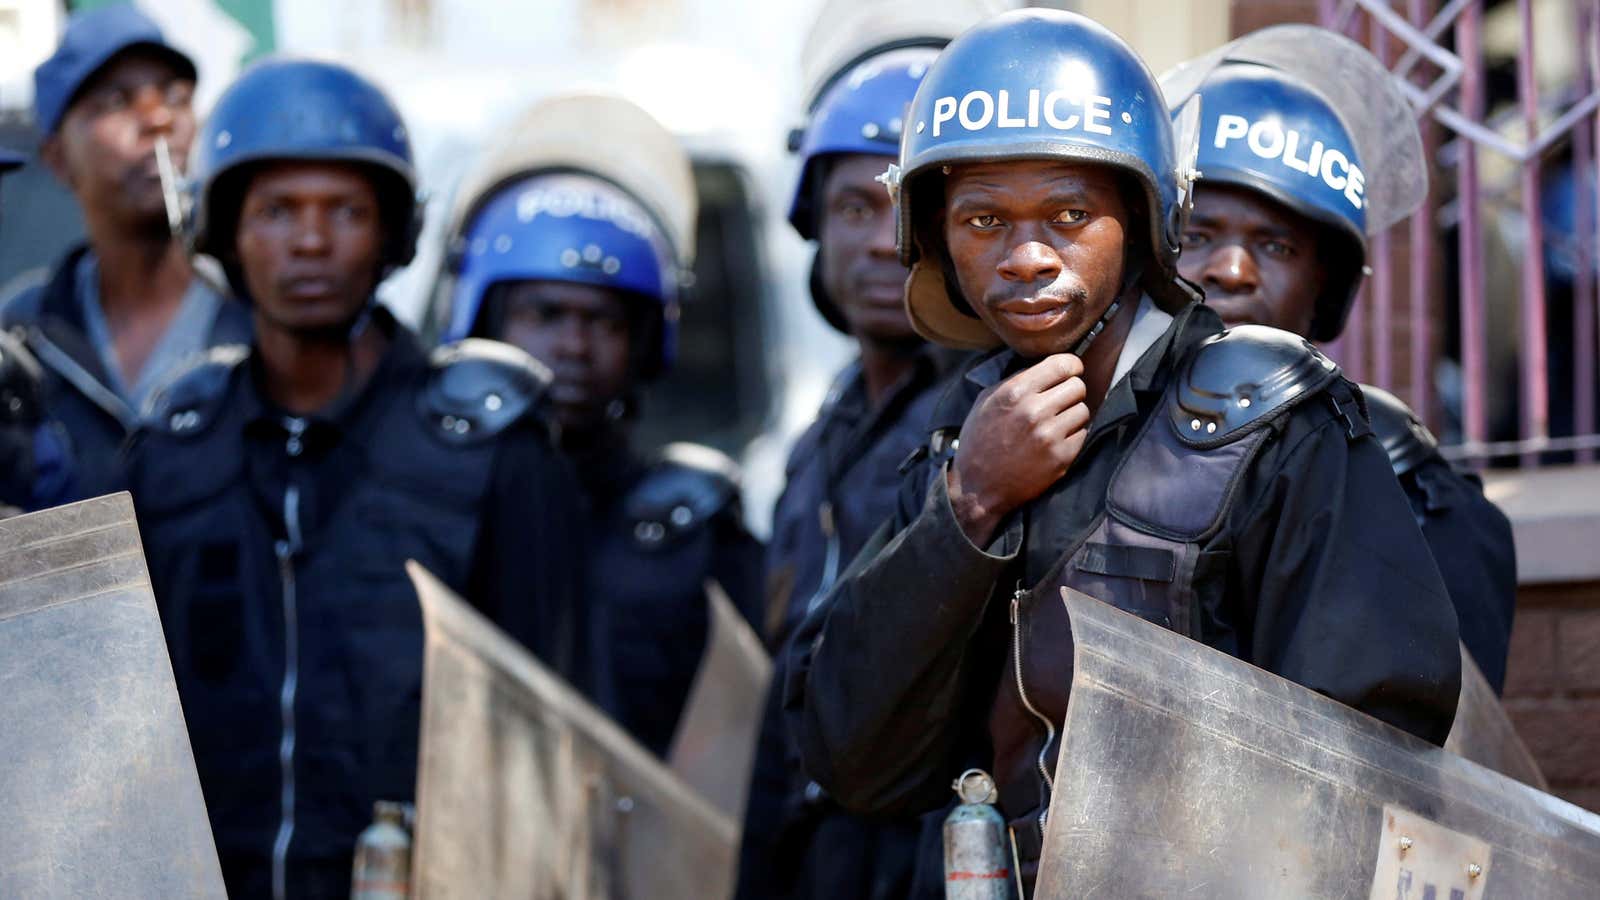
[(716, 741), (98, 787), (1484, 734), (1186, 773), (524, 790)]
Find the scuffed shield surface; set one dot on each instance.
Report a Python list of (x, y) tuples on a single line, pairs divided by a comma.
[(98, 787), (1187, 773), (716, 741), (1484, 734), (524, 790)]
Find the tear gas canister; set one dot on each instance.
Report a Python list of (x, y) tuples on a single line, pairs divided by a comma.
[(975, 858), (382, 868)]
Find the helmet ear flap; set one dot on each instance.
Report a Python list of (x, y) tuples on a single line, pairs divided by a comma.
[(1340, 254), (822, 299), (1177, 221)]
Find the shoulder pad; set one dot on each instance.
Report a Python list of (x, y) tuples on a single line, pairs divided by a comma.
[(478, 388), (687, 486), (189, 401), (1408, 442), (1243, 379)]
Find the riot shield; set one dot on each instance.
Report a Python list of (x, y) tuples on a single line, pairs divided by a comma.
[(1187, 773), (847, 31), (1484, 734), (526, 791), (98, 787), (716, 740)]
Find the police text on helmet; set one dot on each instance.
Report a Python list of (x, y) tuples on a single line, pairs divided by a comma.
[(1063, 110), (1268, 139), (564, 202)]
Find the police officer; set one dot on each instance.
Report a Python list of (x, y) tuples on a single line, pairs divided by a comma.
[(1273, 243), (119, 313), (575, 249), (1226, 486), (282, 486), (843, 473)]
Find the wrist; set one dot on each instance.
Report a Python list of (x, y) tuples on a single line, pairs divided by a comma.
[(978, 520)]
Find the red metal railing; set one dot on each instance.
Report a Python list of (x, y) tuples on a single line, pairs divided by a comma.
[(1441, 58)]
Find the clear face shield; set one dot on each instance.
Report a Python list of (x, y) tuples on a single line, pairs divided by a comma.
[(1363, 93), (845, 31), (593, 133), (600, 135)]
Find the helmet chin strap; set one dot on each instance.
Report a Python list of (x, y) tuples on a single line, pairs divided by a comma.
[(1082, 346)]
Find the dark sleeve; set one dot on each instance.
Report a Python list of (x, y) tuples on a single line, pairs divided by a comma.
[(528, 568), (762, 868), (1471, 541), (880, 692), (740, 567), (1348, 600)]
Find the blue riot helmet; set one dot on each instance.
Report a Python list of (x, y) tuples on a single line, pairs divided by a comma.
[(571, 227), (1316, 123), (1034, 84), (584, 188), (862, 112), (294, 109), (1271, 134)]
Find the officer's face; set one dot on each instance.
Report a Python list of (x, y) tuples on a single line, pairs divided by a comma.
[(1038, 248), (309, 242), (581, 332), (1257, 261), (104, 149), (860, 266)]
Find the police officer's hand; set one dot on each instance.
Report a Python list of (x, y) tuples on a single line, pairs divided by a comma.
[(1018, 440)]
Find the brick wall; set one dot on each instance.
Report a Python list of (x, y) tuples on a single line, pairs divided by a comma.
[(1553, 685)]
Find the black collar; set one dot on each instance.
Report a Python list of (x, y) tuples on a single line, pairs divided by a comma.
[(1138, 390), (402, 360)]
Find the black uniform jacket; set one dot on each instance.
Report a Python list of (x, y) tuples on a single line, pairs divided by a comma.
[(277, 548), (842, 482), (661, 527), (1470, 537), (1318, 573), (843, 479), (1472, 543), (94, 418)]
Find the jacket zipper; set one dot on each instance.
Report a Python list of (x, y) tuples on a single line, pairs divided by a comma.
[(1022, 693), (286, 551)]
